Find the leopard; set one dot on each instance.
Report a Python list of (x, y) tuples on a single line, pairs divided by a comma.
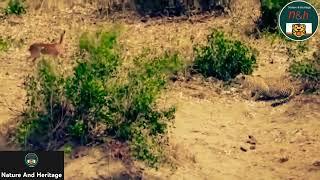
[(257, 88)]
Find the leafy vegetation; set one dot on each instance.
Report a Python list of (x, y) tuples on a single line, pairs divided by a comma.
[(308, 71), (270, 10), (4, 44), (16, 7), (223, 58), (99, 101)]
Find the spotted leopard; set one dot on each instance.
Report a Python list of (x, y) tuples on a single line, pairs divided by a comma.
[(257, 88)]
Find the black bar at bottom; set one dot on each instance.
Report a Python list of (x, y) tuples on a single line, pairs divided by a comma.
[(32, 165)]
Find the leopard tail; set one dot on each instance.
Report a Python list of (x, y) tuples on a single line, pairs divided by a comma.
[(283, 101)]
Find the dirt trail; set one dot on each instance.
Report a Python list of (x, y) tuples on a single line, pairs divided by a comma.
[(216, 129), (211, 131), (211, 126)]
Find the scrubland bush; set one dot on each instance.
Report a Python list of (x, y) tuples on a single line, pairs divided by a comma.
[(4, 44), (270, 10), (223, 58), (99, 101), (308, 71), (16, 7)]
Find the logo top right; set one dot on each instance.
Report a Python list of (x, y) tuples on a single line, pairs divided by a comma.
[(298, 20)]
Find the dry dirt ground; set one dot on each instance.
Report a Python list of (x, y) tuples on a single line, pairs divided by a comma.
[(212, 126)]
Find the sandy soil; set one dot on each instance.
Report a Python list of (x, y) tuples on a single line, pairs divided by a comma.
[(212, 126)]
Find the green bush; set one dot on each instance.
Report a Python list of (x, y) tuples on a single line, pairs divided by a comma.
[(223, 58), (143, 122), (308, 71), (4, 44), (99, 100), (270, 10), (46, 113), (15, 7)]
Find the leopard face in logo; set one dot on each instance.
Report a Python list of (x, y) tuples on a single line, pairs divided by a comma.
[(299, 30)]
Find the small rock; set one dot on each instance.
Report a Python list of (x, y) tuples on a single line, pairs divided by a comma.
[(199, 95), (173, 78), (233, 90), (316, 163), (252, 147), (251, 137), (251, 140), (79, 152), (144, 19), (226, 92), (283, 159), (243, 149)]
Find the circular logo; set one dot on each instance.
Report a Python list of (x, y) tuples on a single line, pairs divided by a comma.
[(31, 159), (298, 20)]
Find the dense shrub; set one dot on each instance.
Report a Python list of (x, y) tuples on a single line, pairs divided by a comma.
[(144, 6), (46, 114), (99, 101), (270, 10), (142, 122), (308, 71), (15, 7), (178, 7), (223, 58)]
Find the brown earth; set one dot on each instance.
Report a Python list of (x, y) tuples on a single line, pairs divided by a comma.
[(210, 139)]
